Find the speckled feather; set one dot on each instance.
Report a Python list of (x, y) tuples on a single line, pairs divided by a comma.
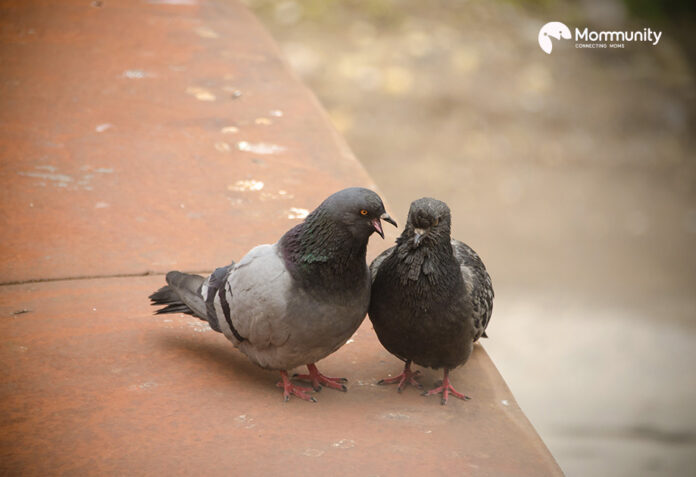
[(430, 302)]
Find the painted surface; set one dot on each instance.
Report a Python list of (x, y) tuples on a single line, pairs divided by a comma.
[(113, 164)]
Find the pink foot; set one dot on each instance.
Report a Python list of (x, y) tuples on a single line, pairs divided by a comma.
[(446, 389), (407, 377), (318, 380), (289, 388)]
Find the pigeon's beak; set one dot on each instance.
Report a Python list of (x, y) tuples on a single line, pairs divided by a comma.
[(418, 236), (378, 227), (387, 218)]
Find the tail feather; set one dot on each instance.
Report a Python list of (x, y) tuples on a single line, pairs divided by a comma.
[(181, 295), (164, 296), (175, 308)]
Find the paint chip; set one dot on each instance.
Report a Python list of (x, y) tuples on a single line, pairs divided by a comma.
[(396, 415), (61, 178), (145, 385), (199, 326), (246, 185), (297, 213), (134, 74), (222, 146), (229, 130), (260, 147), (344, 444), (101, 205), (200, 94), (245, 421), (206, 32), (103, 127), (313, 452), (276, 113)]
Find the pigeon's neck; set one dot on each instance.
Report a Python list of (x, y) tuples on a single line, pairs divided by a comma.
[(431, 264), (320, 253)]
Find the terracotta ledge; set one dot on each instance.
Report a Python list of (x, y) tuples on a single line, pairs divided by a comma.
[(144, 136)]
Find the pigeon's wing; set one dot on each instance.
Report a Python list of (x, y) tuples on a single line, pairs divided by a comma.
[(251, 305), (374, 266), (477, 283), (212, 291)]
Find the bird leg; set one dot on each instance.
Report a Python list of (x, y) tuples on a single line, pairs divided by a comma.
[(289, 388), (318, 380), (445, 389), (407, 377)]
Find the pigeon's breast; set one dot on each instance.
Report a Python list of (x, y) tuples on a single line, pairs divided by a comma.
[(284, 324), (323, 323)]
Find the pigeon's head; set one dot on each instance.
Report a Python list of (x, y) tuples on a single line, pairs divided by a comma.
[(359, 209), (428, 220)]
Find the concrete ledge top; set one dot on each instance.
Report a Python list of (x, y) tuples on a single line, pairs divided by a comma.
[(142, 136), (93, 384)]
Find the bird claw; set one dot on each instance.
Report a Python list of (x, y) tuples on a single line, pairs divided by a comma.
[(445, 388), (318, 380), (299, 391), (292, 389), (406, 377)]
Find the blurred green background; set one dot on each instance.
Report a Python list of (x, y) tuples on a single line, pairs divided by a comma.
[(572, 174)]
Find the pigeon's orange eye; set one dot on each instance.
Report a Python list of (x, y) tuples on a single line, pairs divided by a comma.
[(363, 212)]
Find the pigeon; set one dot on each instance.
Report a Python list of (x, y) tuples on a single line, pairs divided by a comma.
[(432, 297), (296, 301)]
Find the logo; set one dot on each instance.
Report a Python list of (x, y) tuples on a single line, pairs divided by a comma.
[(595, 39), (556, 30)]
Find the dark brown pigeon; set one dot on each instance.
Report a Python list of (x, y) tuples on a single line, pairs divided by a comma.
[(431, 297)]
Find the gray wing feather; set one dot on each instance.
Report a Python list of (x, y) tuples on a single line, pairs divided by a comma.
[(256, 292), (374, 266), (477, 283)]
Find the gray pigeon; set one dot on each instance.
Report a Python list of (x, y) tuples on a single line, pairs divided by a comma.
[(296, 301), (431, 297)]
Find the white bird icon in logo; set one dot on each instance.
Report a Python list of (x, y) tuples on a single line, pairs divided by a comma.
[(552, 29)]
